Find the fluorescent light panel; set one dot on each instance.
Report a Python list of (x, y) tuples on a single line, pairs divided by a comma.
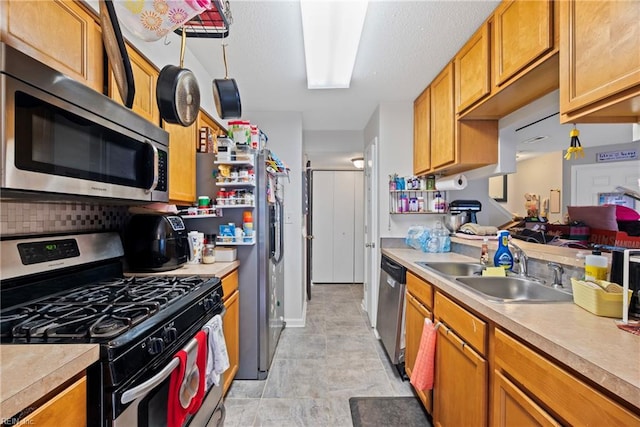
[(331, 30)]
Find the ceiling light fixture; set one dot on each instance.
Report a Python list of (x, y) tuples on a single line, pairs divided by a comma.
[(331, 31), (358, 162)]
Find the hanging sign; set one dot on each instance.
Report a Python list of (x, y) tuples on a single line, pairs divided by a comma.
[(616, 156)]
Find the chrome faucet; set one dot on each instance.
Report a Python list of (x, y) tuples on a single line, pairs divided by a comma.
[(557, 274), (520, 258)]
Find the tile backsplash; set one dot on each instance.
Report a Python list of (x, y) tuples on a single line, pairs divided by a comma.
[(22, 217)]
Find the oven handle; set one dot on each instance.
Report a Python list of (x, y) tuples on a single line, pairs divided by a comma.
[(144, 388)]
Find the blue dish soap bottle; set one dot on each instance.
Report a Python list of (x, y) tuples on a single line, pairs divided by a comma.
[(503, 257)]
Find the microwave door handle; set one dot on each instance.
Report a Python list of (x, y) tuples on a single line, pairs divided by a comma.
[(144, 388), (154, 184)]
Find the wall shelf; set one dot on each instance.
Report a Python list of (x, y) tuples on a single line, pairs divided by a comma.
[(402, 202)]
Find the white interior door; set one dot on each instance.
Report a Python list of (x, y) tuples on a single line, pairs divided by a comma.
[(587, 181), (358, 214), (343, 226), (322, 254), (370, 298)]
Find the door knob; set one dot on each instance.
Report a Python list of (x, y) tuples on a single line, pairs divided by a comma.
[(310, 237)]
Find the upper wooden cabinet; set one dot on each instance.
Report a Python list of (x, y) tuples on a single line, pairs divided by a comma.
[(523, 58), (523, 33), (442, 119), (182, 163), (145, 76), (472, 70), (61, 34), (599, 61), (453, 145), (422, 133)]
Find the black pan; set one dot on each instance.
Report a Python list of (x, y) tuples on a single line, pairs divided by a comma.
[(226, 94), (177, 92), (117, 52)]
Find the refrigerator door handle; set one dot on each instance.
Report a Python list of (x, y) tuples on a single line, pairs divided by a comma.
[(278, 252)]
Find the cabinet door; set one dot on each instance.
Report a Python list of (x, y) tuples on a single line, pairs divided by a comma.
[(599, 54), (422, 133), (414, 320), (182, 163), (511, 407), (523, 33), (68, 408), (231, 329), (460, 390), (472, 70), (61, 34), (145, 76), (443, 142)]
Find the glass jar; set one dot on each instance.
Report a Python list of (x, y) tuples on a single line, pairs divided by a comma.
[(209, 254)]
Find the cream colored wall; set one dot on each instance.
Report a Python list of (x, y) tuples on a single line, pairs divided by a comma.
[(538, 175)]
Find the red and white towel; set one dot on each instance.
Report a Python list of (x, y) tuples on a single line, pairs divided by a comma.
[(423, 370), (187, 382)]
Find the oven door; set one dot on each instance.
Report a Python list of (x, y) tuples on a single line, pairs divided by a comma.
[(150, 398)]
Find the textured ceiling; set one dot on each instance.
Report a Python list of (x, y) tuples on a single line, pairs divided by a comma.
[(404, 45)]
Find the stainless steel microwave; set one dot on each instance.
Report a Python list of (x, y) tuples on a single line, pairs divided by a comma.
[(61, 138)]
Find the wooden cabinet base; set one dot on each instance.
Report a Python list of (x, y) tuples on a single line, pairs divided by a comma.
[(67, 408)]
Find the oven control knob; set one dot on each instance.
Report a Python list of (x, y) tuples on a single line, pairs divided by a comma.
[(170, 335), (208, 303), (156, 346)]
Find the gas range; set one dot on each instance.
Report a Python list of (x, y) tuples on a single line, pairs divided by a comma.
[(71, 289)]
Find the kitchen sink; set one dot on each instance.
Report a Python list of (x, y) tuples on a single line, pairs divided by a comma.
[(513, 289), (454, 269)]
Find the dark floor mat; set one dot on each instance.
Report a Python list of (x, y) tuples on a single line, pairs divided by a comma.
[(388, 412)]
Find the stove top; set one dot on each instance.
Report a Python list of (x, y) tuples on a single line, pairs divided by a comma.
[(70, 289), (95, 313)]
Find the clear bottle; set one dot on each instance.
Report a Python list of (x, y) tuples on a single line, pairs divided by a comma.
[(484, 252), (595, 266), (209, 254)]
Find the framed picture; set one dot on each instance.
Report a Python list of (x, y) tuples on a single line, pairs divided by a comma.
[(498, 188)]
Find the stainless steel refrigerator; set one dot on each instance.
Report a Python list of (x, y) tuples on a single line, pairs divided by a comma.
[(261, 272)]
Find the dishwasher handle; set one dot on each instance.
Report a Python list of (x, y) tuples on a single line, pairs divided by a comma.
[(396, 271)]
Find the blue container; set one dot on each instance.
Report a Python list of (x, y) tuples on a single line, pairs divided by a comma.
[(503, 257)]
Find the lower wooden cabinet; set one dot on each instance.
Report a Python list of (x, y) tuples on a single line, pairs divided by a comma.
[(231, 326), (461, 389), (415, 316), (461, 378), (67, 408), (568, 398), (511, 407)]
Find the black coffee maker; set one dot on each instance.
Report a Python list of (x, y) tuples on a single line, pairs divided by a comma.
[(470, 207)]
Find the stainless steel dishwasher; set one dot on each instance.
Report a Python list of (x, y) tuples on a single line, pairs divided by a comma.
[(390, 323)]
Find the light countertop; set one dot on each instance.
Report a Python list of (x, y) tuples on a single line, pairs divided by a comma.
[(29, 372), (590, 345), (217, 269)]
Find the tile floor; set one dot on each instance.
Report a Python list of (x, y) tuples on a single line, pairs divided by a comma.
[(317, 368)]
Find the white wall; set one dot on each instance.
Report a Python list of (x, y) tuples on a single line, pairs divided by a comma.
[(333, 149), (538, 175), (284, 130)]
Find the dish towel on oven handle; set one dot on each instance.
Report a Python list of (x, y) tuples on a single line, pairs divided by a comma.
[(218, 357), (423, 370), (176, 412)]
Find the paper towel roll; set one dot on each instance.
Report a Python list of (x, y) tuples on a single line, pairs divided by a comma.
[(454, 182)]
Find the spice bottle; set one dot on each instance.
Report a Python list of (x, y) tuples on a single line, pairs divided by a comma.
[(484, 252)]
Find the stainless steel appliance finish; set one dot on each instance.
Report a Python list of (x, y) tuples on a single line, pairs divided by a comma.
[(70, 289), (60, 137), (261, 269), (514, 289), (391, 307)]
